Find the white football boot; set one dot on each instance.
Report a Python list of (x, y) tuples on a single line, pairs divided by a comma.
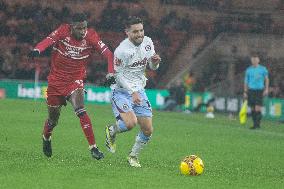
[(133, 161)]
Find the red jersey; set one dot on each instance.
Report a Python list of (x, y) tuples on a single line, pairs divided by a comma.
[(70, 56)]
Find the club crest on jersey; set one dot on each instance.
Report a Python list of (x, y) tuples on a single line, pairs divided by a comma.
[(67, 39), (139, 63), (80, 82), (148, 48), (84, 43)]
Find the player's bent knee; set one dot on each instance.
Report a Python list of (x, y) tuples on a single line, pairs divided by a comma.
[(148, 132), (130, 123), (129, 119), (53, 119)]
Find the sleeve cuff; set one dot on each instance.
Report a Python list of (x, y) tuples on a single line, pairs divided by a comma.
[(37, 50)]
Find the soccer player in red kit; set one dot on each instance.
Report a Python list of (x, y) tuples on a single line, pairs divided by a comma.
[(73, 45)]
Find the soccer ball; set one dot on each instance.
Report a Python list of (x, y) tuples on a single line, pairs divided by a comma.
[(210, 112), (191, 165), (210, 108)]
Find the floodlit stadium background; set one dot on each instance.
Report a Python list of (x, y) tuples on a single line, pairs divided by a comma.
[(205, 43)]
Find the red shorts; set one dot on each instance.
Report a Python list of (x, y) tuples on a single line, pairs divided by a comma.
[(58, 93)]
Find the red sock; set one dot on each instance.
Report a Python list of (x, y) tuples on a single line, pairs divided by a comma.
[(47, 129), (87, 128)]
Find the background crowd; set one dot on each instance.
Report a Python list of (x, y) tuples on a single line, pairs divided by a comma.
[(23, 23)]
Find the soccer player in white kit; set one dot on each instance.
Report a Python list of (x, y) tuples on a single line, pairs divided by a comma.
[(130, 103)]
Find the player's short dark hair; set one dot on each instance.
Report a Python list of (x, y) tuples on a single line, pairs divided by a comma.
[(79, 17), (254, 54), (133, 20)]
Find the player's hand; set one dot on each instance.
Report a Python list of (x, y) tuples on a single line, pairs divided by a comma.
[(156, 59), (136, 98), (245, 95), (110, 79), (33, 53), (265, 92)]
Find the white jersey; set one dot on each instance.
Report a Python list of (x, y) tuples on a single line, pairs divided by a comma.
[(130, 62)]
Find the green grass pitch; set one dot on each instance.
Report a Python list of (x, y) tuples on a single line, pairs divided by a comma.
[(234, 156)]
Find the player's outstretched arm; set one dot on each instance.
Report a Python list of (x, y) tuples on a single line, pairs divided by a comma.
[(40, 47), (109, 56), (110, 79), (48, 41)]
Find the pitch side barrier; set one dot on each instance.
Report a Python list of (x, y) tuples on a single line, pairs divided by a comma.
[(273, 107)]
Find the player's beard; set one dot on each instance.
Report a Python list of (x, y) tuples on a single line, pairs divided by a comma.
[(137, 41)]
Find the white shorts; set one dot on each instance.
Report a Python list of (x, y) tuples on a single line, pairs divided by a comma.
[(122, 103)]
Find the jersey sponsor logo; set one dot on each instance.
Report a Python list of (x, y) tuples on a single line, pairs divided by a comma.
[(73, 51), (68, 54), (148, 48), (117, 61), (139, 63)]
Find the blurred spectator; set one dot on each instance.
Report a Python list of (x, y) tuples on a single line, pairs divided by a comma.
[(15, 60), (19, 22), (113, 18), (2, 62), (5, 66), (151, 76), (189, 80), (281, 88), (176, 98)]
